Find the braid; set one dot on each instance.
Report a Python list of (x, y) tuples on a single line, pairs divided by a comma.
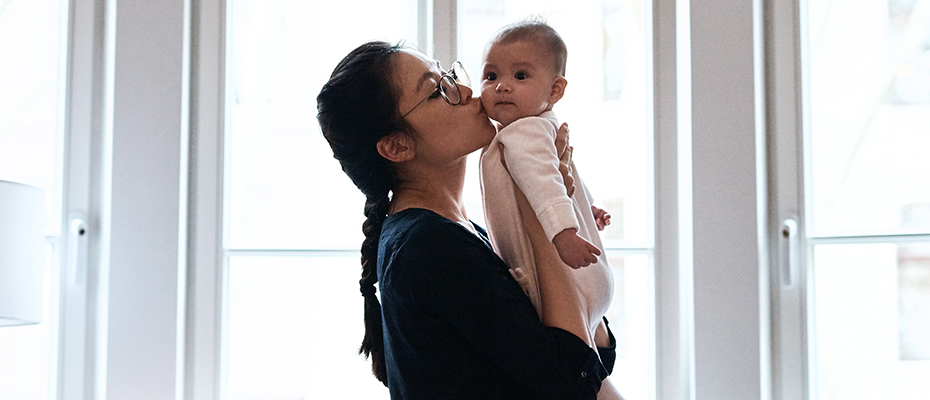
[(376, 210), (356, 108)]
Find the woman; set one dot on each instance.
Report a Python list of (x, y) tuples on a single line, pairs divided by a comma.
[(454, 323)]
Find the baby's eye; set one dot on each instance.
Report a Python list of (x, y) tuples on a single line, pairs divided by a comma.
[(491, 76), (520, 75)]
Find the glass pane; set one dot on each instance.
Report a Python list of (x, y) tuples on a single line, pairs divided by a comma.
[(285, 188), (295, 324), (27, 360), (869, 67), (30, 79), (294, 328), (607, 102), (632, 320), (31, 50), (871, 338)]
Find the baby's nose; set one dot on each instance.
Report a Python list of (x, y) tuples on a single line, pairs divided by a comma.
[(501, 87)]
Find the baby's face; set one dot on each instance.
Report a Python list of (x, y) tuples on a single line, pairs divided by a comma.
[(516, 81)]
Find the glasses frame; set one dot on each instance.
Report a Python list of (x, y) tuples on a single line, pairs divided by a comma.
[(454, 77)]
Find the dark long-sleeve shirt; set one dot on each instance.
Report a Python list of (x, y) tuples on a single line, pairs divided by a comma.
[(458, 326)]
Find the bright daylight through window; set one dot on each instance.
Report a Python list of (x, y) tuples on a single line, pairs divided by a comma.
[(293, 219), (869, 105), (31, 81)]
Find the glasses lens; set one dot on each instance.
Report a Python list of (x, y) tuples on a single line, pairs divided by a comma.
[(458, 72), (450, 90)]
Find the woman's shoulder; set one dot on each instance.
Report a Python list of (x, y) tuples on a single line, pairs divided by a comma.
[(419, 245), (417, 222), (422, 230)]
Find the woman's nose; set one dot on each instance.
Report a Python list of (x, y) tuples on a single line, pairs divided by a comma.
[(466, 93)]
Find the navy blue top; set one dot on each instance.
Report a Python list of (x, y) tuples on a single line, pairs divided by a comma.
[(458, 326)]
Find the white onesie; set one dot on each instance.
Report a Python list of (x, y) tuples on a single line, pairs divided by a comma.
[(524, 157)]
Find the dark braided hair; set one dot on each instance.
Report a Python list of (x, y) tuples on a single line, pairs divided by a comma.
[(356, 108)]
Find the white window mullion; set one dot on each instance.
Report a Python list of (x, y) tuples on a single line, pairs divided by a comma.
[(84, 115), (789, 276), (445, 31), (674, 307), (424, 25), (205, 202)]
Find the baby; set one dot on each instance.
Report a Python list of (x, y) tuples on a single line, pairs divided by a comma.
[(538, 211)]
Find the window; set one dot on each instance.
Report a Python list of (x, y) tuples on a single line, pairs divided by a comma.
[(869, 110), (854, 306), (292, 225), (31, 82)]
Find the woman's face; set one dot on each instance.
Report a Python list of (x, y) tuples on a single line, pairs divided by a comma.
[(444, 132)]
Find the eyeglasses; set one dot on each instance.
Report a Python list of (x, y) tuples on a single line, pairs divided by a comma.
[(448, 86)]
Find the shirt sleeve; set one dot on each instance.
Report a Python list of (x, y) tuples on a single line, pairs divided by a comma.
[(467, 285), (531, 158)]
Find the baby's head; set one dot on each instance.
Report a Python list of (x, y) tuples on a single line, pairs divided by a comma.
[(523, 73)]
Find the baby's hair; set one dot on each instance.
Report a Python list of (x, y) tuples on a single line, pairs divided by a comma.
[(536, 29)]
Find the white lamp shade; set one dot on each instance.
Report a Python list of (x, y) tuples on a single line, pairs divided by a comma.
[(22, 212)]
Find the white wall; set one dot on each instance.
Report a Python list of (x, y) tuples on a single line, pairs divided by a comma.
[(144, 222), (726, 135)]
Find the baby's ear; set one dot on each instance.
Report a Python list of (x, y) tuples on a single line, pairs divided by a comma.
[(396, 147), (558, 89)]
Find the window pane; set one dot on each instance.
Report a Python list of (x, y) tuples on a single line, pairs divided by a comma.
[(285, 188), (632, 320), (30, 46), (869, 114), (295, 324), (872, 333), (294, 328), (607, 102), (31, 67)]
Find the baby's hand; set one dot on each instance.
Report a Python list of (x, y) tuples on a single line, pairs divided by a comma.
[(574, 250), (601, 217)]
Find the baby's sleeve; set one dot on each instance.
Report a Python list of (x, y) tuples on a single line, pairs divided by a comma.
[(531, 158)]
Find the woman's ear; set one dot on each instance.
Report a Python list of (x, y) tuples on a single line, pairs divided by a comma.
[(396, 147), (558, 89)]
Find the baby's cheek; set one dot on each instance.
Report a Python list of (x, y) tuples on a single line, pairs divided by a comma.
[(486, 94), (486, 101)]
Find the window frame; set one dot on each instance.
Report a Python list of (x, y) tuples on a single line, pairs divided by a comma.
[(791, 275), (106, 156), (209, 257), (78, 352), (690, 311)]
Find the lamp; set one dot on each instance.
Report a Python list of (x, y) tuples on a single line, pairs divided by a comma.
[(22, 212)]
